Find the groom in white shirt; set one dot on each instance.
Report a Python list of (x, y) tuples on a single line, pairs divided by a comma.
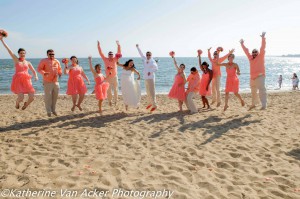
[(150, 67)]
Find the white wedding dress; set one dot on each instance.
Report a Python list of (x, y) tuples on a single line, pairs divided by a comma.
[(131, 90)]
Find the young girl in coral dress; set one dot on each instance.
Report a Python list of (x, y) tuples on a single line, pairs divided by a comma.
[(21, 82), (232, 80), (178, 91), (207, 75), (76, 85), (101, 86)]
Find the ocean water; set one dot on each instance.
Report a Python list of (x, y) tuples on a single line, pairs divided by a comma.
[(275, 66)]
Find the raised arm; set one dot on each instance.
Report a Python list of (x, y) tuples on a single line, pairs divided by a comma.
[(119, 47), (140, 52), (91, 66), (66, 69), (13, 56), (33, 71), (263, 43), (100, 51), (246, 50), (135, 71), (175, 63), (209, 55), (225, 56), (199, 61)]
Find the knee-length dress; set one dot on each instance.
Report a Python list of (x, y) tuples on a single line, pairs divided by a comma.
[(76, 84), (21, 81), (101, 87), (177, 91), (203, 85), (232, 80)]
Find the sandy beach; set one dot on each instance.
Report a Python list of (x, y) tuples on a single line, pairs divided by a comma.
[(212, 154)]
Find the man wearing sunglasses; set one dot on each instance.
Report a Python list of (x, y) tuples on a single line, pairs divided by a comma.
[(150, 67), (111, 72), (50, 69), (257, 73)]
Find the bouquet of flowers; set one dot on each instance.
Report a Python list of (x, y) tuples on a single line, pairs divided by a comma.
[(65, 60), (3, 33), (118, 55), (172, 53), (220, 49), (199, 52)]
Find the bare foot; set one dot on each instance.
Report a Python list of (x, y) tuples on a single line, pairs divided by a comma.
[(225, 107), (110, 104), (213, 102), (263, 108), (73, 108), (24, 106), (243, 103), (251, 107), (79, 107), (218, 104), (17, 105)]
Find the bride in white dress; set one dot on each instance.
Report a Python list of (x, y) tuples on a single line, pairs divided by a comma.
[(131, 90)]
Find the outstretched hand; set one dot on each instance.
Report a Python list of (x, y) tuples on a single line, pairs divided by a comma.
[(137, 45), (242, 41), (118, 43), (98, 43), (90, 58), (209, 49), (263, 34), (231, 51)]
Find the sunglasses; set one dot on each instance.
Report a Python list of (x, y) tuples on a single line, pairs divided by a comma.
[(148, 55), (110, 54), (254, 52), (51, 54)]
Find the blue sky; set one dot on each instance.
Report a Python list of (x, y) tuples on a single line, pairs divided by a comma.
[(73, 27)]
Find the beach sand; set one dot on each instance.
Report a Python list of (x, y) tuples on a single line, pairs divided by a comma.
[(212, 154)]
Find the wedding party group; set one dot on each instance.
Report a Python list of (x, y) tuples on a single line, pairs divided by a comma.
[(106, 85)]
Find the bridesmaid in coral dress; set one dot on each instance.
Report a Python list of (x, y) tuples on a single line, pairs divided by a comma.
[(101, 86), (232, 80), (76, 85), (207, 75), (21, 81), (178, 91)]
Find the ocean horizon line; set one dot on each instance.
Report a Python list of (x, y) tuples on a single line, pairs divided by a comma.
[(153, 57)]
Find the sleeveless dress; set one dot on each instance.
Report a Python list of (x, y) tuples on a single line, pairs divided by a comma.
[(203, 84), (76, 84), (178, 92), (130, 88), (21, 81), (101, 87), (232, 80)]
